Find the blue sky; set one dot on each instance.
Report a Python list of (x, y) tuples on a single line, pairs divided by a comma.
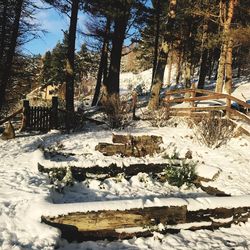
[(53, 22)]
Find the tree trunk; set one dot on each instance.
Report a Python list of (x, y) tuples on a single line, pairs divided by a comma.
[(204, 56), (156, 42), (70, 67), (103, 63), (226, 32), (3, 31), (10, 53), (113, 80), (179, 68), (229, 71), (154, 100), (170, 65)]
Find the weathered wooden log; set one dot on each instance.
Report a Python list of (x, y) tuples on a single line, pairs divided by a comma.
[(117, 224), (101, 173)]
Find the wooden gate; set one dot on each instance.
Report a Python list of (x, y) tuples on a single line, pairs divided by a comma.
[(40, 118)]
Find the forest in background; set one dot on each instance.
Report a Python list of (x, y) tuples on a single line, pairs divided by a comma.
[(209, 38)]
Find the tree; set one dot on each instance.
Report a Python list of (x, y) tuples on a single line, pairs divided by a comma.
[(162, 59), (226, 16), (70, 65), (6, 63)]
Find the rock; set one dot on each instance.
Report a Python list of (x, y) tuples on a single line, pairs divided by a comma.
[(9, 132), (128, 145)]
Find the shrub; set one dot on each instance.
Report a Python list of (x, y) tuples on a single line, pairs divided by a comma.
[(214, 130), (117, 112), (183, 174), (158, 118)]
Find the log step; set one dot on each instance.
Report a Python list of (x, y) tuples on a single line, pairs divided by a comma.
[(164, 215)]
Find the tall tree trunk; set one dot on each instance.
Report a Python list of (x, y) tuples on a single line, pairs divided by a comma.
[(154, 100), (170, 66), (229, 71), (156, 42), (103, 63), (179, 67), (226, 32), (10, 53), (187, 74), (3, 31), (113, 80), (158, 80), (204, 56), (70, 67)]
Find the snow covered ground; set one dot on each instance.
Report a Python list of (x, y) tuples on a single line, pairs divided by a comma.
[(26, 194)]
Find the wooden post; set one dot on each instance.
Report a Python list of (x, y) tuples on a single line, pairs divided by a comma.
[(228, 104), (134, 102), (54, 113), (167, 105), (193, 94), (26, 115)]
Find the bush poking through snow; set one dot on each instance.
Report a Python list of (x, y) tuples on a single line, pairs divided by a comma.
[(213, 130), (117, 112), (158, 118), (185, 174)]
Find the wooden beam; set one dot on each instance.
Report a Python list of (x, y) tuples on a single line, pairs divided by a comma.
[(19, 111), (192, 99), (239, 115), (126, 223), (210, 108)]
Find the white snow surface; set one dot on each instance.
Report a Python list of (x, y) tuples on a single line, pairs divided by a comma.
[(26, 194)]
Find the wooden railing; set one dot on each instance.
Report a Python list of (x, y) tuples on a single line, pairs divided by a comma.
[(197, 95)]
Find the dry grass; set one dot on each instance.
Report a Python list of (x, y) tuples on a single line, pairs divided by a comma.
[(214, 130), (118, 112)]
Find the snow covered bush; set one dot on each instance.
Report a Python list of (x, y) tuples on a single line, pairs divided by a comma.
[(214, 130), (185, 174)]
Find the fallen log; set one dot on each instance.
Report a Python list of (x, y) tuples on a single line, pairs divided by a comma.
[(101, 173), (168, 215)]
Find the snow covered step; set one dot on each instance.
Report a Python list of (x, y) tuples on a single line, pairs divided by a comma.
[(121, 219)]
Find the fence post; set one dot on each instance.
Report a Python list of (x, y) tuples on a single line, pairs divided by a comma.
[(54, 113), (228, 104), (26, 115), (134, 102), (192, 93)]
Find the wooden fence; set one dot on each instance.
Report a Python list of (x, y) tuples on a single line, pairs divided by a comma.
[(40, 118), (194, 96)]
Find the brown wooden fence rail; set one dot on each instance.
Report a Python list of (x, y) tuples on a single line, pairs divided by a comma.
[(40, 118), (197, 95)]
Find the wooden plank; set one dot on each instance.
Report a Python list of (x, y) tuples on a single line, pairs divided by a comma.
[(210, 108), (19, 111), (197, 98), (239, 115)]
